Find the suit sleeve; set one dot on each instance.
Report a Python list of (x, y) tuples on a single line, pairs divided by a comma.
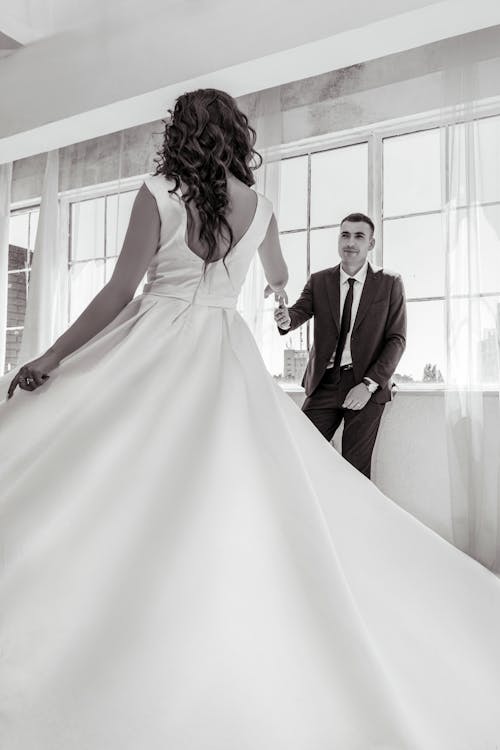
[(301, 311), (394, 337)]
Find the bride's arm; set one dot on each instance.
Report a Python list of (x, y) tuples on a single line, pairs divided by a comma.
[(271, 256), (139, 246)]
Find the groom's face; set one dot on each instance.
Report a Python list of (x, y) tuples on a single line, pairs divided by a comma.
[(355, 242)]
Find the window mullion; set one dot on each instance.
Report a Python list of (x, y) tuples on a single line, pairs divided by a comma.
[(375, 193), (308, 242)]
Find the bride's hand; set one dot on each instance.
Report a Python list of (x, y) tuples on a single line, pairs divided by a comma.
[(33, 374), (279, 296)]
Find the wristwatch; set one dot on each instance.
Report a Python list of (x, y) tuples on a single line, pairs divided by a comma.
[(372, 387)]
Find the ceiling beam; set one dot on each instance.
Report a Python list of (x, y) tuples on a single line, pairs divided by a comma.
[(233, 69)]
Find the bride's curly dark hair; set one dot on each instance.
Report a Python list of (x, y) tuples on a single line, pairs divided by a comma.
[(207, 133)]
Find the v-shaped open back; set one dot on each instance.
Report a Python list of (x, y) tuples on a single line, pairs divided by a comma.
[(221, 257)]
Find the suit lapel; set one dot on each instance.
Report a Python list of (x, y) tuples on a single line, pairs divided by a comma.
[(333, 291), (369, 289)]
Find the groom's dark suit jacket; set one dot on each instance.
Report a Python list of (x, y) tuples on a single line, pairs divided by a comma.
[(378, 336)]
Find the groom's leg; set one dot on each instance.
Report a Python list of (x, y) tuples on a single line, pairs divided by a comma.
[(325, 418), (360, 433), (323, 407)]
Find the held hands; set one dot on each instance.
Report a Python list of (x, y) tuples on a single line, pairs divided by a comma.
[(33, 374), (281, 314), (357, 397)]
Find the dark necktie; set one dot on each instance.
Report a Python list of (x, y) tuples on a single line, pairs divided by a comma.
[(344, 330)]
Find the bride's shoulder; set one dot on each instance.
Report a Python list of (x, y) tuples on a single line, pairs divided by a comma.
[(161, 187), (246, 194), (159, 180)]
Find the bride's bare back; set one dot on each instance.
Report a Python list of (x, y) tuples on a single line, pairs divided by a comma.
[(239, 215)]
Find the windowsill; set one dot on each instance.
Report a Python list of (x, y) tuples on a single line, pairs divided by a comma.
[(490, 391)]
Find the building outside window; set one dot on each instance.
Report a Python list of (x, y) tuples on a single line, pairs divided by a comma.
[(22, 233)]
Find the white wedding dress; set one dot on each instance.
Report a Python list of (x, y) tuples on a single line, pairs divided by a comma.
[(187, 564)]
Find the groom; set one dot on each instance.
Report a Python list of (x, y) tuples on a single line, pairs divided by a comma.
[(359, 337)]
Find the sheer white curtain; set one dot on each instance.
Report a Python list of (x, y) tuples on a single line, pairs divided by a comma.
[(45, 316), (5, 198), (472, 440), (77, 220), (268, 123)]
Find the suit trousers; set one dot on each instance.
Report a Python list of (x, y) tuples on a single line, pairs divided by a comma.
[(324, 408)]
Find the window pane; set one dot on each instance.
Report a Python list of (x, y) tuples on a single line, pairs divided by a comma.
[(489, 345), (324, 249), (475, 266), (293, 194), (488, 139), (339, 184), (18, 230), (16, 298), (412, 174), (489, 248), (475, 333), (119, 208), (482, 138), (424, 357), (12, 348), (295, 253), (86, 280), (87, 229), (414, 248)]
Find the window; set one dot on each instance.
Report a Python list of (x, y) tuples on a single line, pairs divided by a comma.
[(316, 191), (97, 230), (22, 233), (413, 246), (402, 193)]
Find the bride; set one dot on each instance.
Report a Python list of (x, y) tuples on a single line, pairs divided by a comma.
[(185, 562)]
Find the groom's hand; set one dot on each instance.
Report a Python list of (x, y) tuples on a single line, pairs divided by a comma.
[(282, 316), (357, 397)]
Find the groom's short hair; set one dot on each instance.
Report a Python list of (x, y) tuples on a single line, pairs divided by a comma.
[(360, 217)]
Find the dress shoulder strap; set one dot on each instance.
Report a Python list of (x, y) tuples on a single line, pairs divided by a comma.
[(159, 186)]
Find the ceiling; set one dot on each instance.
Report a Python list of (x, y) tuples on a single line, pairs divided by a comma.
[(75, 69)]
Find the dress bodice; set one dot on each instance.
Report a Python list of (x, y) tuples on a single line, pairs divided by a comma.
[(176, 271)]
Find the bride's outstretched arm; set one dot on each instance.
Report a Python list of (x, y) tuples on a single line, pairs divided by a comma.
[(139, 246), (271, 256), (102, 310)]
